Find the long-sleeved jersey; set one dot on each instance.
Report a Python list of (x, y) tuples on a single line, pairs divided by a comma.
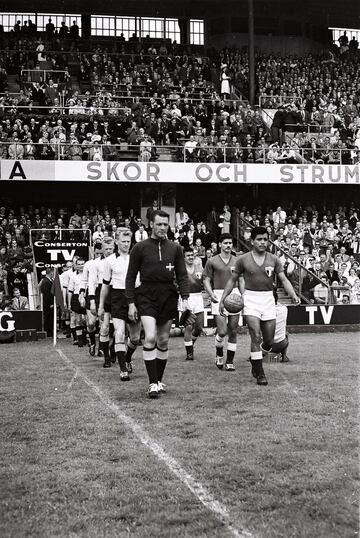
[(96, 271), (75, 283), (115, 270), (85, 275), (157, 261)]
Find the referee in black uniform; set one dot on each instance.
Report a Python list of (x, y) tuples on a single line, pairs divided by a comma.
[(159, 262)]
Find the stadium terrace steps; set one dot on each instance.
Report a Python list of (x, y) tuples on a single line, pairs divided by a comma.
[(13, 84)]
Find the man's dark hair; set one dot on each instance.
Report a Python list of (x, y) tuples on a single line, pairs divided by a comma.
[(223, 237), (258, 230), (188, 249), (159, 213)]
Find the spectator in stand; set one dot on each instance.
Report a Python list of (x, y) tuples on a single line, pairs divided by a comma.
[(19, 302)]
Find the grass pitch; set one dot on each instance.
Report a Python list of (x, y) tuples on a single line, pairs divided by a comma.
[(282, 459)]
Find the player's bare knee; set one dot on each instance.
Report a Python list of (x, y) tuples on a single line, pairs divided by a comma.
[(162, 342)]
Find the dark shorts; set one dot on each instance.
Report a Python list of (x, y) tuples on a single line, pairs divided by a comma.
[(107, 304), (157, 301), (119, 305), (75, 305), (278, 347)]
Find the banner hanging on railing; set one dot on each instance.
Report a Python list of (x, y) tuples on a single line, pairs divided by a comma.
[(171, 172)]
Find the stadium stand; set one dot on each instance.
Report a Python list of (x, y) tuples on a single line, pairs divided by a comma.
[(156, 100), (315, 244)]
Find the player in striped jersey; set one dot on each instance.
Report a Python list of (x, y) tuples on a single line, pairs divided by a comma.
[(194, 270), (90, 304), (114, 275), (217, 272), (94, 286)]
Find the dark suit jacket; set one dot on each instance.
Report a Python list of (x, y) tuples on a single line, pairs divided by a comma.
[(334, 276)]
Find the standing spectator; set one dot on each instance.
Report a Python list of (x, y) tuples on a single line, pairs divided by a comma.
[(48, 300)]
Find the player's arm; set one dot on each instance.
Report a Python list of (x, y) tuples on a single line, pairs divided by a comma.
[(132, 272), (288, 287), (83, 284), (92, 280), (207, 279), (105, 288), (230, 284), (182, 277), (70, 290)]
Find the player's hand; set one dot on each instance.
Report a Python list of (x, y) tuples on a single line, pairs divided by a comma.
[(296, 300), (213, 298), (81, 300), (133, 313), (185, 304), (93, 307), (101, 313), (222, 309)]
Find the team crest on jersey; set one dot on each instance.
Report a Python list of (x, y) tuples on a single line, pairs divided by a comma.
[(269, 271), (198, 275), (232, 269)]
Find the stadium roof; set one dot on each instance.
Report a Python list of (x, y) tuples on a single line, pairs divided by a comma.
[(343, 13)]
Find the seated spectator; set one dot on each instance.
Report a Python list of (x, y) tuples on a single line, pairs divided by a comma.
[(321, 290), (19, 302)]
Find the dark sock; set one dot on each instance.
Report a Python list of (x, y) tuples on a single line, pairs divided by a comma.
[(151, 368), (189, 350), (120, 355), (258, 367), (79, 334), (92, 338), (161, 365), (219, 351), (104, 346), (73, 332), (130, 352), (230, 356)]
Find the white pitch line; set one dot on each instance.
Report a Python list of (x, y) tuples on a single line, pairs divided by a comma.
[(196, 488)]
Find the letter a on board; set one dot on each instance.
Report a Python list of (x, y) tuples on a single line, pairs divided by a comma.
[(17, 171)]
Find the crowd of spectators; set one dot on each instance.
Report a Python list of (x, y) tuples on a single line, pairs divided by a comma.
[(143, 97), (319, 247)]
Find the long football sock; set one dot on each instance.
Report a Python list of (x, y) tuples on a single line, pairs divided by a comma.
[(149, 356), (161, 361)]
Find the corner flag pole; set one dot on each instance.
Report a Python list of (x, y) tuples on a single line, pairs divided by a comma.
[(55, 323)]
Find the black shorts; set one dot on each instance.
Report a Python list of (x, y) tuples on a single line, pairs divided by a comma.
[(107, 304), (119, 305), (157, 301), (75, 305), (278, 347)]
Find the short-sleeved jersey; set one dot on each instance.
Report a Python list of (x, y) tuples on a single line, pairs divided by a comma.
[(258, 277), (115, 270), (195, 278), (218, 271)]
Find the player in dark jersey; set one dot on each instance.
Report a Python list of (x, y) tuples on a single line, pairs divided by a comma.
[(255, 273), (196, 302), (114, 274), (218, 270), (159, 261)]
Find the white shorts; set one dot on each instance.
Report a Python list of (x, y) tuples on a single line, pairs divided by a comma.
[(196, 303), (215, 306), (260, 304)]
